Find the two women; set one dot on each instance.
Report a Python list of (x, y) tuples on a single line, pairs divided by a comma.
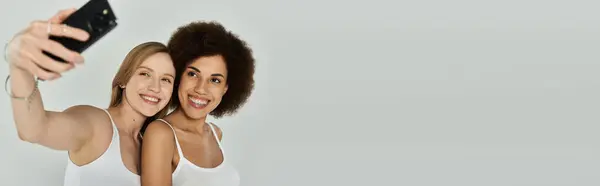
[(213, 74)]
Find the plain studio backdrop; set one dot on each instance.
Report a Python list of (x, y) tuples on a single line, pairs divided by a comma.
[(419, 93)]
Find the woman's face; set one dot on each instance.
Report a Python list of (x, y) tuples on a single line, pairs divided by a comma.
[(149, 89), (202, 86)]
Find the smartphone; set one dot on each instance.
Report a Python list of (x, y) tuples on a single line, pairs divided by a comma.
[(95, 17)]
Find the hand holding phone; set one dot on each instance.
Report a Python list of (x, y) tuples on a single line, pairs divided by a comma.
[(38, 47), (95, 17)]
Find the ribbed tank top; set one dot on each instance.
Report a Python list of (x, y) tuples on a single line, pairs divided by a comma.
[(188, 174), (107, 170)]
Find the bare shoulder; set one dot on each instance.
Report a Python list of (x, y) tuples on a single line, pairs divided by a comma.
[(158, 153), (218, 130), (158, 142), (98, 124), (87, 112), (158, 130), (90, 115), (83, 108)]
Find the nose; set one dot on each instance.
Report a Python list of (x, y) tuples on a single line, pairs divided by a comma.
[(154, 86), (200, 87)]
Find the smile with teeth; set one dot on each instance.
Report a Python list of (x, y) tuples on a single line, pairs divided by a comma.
[(198, 102), (150, 99)]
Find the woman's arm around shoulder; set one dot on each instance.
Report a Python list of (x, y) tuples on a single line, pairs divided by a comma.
[(158, 148)]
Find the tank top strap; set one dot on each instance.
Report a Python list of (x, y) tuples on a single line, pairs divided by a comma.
[(112, 123), (175, 135), (216, 137)]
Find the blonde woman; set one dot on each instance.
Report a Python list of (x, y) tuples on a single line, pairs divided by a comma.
[(103, 144)]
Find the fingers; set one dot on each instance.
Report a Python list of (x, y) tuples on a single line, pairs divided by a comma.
[(26, 51), (58, 18), (36, 70), (39, 64), (30, 48), (46, 29), (62, 30), (37, 36), (45, 62), (62, 15), (60, 51), (49, 64)]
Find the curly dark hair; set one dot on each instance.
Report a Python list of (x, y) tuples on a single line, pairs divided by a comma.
[(203, 39)]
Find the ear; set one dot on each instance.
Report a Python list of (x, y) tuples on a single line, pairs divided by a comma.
[(226, 87)]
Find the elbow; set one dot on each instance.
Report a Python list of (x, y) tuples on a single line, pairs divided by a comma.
[(29, 136), (32, 132)]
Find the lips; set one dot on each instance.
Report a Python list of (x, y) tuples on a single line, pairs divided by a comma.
[(153, 100), (197, 102)]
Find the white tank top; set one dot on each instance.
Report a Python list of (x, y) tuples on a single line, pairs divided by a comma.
[(108, 169), (188, 174)]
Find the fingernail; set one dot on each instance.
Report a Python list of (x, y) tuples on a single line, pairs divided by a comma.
[(79, 59)]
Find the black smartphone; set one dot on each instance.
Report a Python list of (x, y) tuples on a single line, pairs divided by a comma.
[(95, 17)]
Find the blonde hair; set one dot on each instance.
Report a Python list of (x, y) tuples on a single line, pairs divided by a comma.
[(134, 59)]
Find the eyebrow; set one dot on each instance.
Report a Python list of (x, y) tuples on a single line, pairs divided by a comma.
[(144, 67), (197, 70), (141, 66)]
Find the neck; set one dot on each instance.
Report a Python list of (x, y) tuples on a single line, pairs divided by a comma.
[(183, 122), (126, 119)]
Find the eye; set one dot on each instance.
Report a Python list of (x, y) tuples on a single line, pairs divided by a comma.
[(191, 74), (145, 74), (216, 80), (167, 80)]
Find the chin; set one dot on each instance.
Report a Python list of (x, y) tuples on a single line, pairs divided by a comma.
[(194, 113), (149, 113)]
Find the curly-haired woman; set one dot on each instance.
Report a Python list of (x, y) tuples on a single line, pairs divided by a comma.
[(214, 75)]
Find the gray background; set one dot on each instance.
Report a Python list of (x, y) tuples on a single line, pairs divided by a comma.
[(466, 93)]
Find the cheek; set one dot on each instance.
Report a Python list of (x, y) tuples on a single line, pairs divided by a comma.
[(187, 84), (138, 79), (217, 91), (137, 84), (167, 87), (182, 90), (130, 93), (167, 91)]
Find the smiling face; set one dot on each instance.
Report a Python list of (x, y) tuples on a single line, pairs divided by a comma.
[(149, 89), (202, 86)]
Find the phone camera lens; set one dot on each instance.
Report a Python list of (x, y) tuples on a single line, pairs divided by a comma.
[(101, 22)]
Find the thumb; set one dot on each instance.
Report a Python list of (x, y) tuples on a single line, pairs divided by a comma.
[(62, 15)]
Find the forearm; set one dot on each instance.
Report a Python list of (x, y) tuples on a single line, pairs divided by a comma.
[(29, 114)]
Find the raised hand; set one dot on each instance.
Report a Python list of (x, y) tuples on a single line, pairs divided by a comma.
[(25, 51)]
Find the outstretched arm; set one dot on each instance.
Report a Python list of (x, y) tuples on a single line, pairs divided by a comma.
[(67, 130)]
